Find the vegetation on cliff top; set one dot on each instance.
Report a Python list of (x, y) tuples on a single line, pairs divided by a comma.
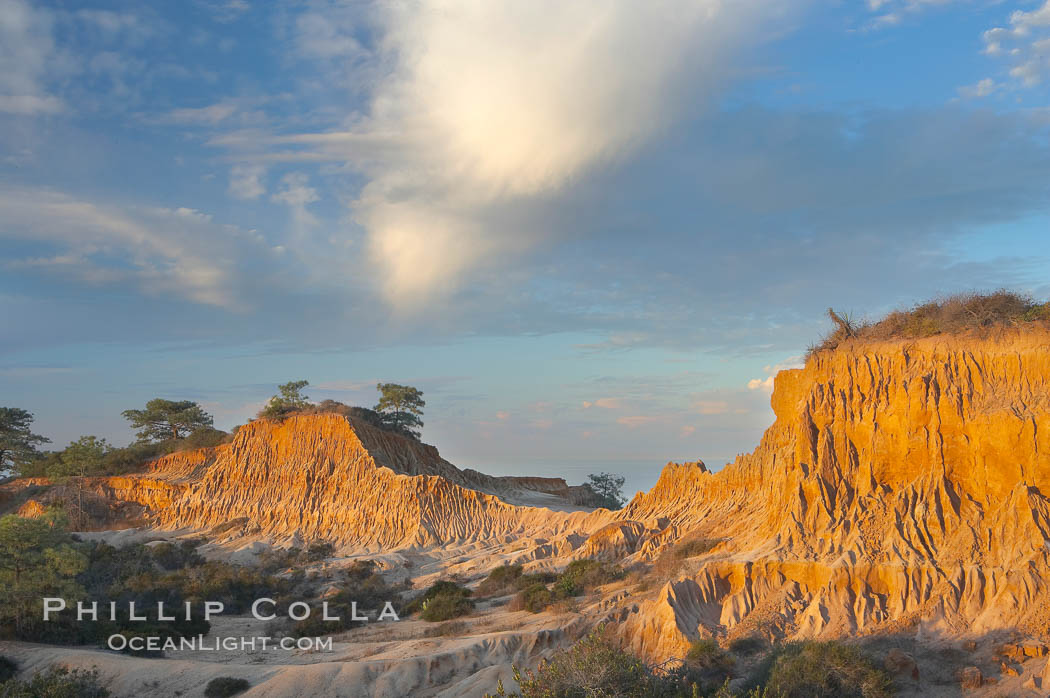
[(956, 314), (608, 489), (399, 409), (18, 443)]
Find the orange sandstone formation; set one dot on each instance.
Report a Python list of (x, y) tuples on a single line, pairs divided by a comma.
[(326, 477), (902, 488)]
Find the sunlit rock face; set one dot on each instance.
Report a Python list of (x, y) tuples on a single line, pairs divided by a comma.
[(327, 477), (903, 486)]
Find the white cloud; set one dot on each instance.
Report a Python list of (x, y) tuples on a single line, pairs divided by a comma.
[(480, 107), (1024, 45), (766, 384), (327, 35), (297, 194), (246, 181), (30, 104), (982, 88), (27, 52)]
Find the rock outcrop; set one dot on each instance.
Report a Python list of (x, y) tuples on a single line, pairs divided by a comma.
[(903, 486), (329, 477)]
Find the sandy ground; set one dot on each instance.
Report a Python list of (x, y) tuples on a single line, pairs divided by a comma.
[(382, 659)]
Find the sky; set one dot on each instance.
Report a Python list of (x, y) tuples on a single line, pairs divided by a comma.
[(590, 232)]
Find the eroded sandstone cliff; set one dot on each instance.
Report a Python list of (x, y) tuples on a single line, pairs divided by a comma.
[(903, 486), (327, 477)]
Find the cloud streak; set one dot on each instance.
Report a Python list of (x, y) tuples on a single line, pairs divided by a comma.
[(27, 52), (178, 251)]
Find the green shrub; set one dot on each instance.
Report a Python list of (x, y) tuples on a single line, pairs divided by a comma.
[(442, 588), (595, 666), (173, 556), (747, 645), (535, 598), (365, 587), (706, 653), (442, 601), (501, 580), (956, 314), (8, 668), (226, 686), (578, 577), (527, 580), (319, 550), (826, 670), (56, 683), (204, 437), (446, 607), (582, 575), (712, 664)]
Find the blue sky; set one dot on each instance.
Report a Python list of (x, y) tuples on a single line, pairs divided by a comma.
[(588, 232)]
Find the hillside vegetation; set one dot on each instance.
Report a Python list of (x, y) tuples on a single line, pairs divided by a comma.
[(956, 314)]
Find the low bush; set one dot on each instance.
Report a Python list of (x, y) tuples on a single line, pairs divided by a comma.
[(825, 670), (710, 664), (126, 459), (445, 607), (747, 645), (579, 577), (582, 575), (442, 601), (56, 683), (534, 599), (364, 590), (175, 556), (501, 580), (224, 686), (967, 312), (596, 666), (8, 668)]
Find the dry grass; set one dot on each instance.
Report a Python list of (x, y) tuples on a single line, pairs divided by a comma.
[(958, 314)]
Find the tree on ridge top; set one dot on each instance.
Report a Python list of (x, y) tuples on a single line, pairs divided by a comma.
[(289, 398), (167, 419), (17, 441), (400, 407)]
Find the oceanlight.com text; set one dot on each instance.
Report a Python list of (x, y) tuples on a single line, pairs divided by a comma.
[(200, 643)]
